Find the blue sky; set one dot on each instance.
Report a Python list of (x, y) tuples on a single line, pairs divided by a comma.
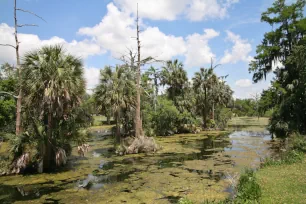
[(100, 31)]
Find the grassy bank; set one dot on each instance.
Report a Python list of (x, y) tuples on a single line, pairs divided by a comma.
[(248, 121), (284, 183)]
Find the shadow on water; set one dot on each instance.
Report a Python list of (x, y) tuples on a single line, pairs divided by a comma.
[(97, 181), (207, 147), (10, 194)]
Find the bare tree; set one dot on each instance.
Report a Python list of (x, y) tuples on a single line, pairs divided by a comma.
[(138, 121), (16, 47), (256, 98)]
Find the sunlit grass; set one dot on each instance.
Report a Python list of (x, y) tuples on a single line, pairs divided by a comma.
[(248, 121), (100, 127), (4, 148), (283, 183)]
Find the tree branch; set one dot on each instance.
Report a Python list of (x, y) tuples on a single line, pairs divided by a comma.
[(30, 12), (8, 45), (4, 92), (22, 25)]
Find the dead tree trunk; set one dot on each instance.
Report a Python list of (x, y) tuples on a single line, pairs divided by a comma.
[(138, 122), (19, 99), (140, 143)]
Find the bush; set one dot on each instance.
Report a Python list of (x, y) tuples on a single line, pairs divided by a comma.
[(248, 189), (211, 123), (294, 154), (222, 117), (299, 143), (165, 118), (289, 157)]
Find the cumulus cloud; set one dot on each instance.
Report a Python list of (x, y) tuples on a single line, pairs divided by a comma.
[(243, 83), (239, 52), (250, 91), (154, 9), (91, 75), (198, 50), (115, 32), (194, 10), (204, 9), (29, 42)]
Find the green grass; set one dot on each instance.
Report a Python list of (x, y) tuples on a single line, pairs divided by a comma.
[(248, 121), (285, 183), (4, 148), (101, 127), (100, 120)]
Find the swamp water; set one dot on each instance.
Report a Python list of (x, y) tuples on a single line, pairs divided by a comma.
[(192, 166)]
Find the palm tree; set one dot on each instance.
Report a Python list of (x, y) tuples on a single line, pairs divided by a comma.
[(116, 91), (202, 84), (174, 75), (53, 86), (154, 75), (221, 95)]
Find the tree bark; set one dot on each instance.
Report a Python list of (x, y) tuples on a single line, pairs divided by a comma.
[(213, 111), (108, 120), (19, 99), (48, 147), (118, 136), (138, 122)]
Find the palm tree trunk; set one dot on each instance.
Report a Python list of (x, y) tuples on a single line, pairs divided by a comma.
[(205, 119), (118, 136), (108, 120), (205, 110), (48, 147), (213, 111)]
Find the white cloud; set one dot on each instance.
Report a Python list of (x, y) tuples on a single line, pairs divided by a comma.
[(194, 10), (154, 9), (239, 52), (92, 76), (115, 32), (252, 90), (29, 42), (243, 83), (204, 9), (198, 50), (117, 27), (162, 46)]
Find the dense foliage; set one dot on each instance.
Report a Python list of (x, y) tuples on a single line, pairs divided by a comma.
[(176, 111), (53, 87), (8, 84), (286, 45)]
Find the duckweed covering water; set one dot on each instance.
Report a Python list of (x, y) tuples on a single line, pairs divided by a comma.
[(191, 166)]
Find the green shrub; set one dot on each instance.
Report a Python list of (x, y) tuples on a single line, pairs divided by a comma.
[(299, 143), (211, 123), (289, 157), (248, 189), (165, 118)]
